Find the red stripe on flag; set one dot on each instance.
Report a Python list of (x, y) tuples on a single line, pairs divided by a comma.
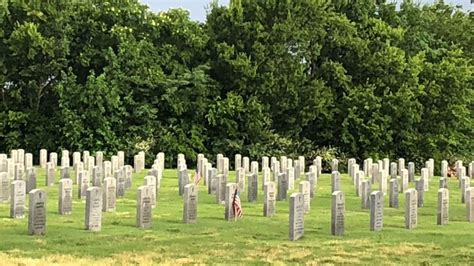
[(238, 212)]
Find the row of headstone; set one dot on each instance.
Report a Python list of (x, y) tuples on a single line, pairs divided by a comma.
[(84, 184), (88, 170), (397, 183), (186, 188), (222, 164), (300, 203), (94, 203), (467, 192), (36, 209), (94, 206), (285, 162), (17, 156), (384, 168), (20, 156), (156, 172), (93, 215), (93, 212), (375, 197), (88, 162), (112, 189), (244, 176), (375, 176), (377, 205), (15, 171), (145, 203), (414, 197), (271, 164), (98, 200)]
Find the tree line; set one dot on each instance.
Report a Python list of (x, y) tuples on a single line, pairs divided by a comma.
[(309, 77)]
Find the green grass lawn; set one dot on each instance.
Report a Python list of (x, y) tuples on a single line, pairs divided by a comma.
[(254, 239)]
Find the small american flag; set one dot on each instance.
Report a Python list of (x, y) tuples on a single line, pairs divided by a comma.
[(236, 205), (197, 178)]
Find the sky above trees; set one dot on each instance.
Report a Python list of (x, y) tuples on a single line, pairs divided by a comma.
[(197, 8)]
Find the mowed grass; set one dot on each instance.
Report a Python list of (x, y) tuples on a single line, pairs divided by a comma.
[(254, 239)]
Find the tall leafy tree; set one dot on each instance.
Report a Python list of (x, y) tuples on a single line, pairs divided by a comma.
[(259, 78), (33, 53)]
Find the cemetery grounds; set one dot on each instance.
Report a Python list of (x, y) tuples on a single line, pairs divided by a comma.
[(254, 239)]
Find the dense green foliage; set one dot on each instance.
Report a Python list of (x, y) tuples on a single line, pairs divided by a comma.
[(258, 78)]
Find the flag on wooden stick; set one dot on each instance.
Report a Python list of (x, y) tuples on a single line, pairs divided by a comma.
[(197, 178), (238, 213)]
